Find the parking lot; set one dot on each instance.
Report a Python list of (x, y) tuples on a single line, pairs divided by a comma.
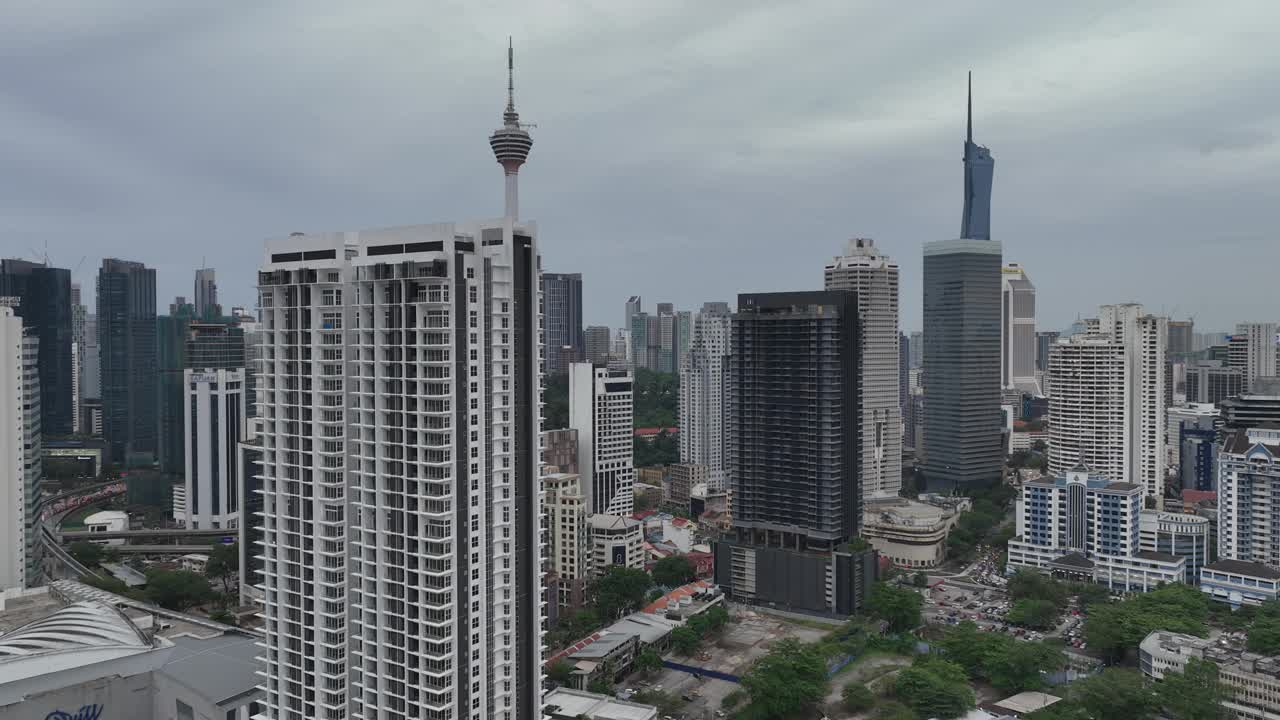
[(954, 602), (746, 638)]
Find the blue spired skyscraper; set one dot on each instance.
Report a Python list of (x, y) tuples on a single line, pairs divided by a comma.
[(963, 441)]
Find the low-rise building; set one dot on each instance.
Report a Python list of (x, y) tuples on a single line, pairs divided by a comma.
[(609, 653), (1083, 527), (911, 534), (616, 540), (567, 704), (1239, 582), (107, 521), (1181, 534), (679, 482), (1254, 679)]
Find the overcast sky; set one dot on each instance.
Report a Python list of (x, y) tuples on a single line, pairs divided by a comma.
[(685, 151)]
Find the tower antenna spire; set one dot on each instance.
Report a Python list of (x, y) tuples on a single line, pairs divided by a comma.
[(511, 76), (970, 116), (511, 142)]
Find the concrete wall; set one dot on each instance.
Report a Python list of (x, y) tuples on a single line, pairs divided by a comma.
[(119, 698)]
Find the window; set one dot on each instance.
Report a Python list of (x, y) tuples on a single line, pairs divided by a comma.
[(184, 711)]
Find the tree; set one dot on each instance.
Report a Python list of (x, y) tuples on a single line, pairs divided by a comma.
[(920, 580), (934, 688), (898, 607), (224, 564), (177, 589), (1264, 636), (560, 672), (1195, 693), (656, 398), (223, 616), (1031, 585), (1033, 613), (1016, 666), (600, 686), (717, 616), (857, 698), (685, 640), (555, 402), (86, 553), (790, 678), (648, 661), (1115, 628), (621, 589), (1115, 692), (673, 571), (893, 711)]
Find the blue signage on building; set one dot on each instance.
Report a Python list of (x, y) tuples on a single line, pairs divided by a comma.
[(86, 712)]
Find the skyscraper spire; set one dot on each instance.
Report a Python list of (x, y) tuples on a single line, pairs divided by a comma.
[(511, 142), (969, 136)]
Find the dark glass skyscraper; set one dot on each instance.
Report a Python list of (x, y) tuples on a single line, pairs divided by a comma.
[(962, 285), (127, 349), (45, 304), (562, 321), (979, 168)]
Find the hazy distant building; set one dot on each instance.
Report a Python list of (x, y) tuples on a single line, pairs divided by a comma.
[(1255, 408), (206, 295), (633, 306), (1211, 381), (562, 321), (1252, 349), (1018, 331), (916, 340), (704, 388), (1044, 340), (127, 348), (1180, 341), (597, 344), (1190, 440), (873, 277), (44, 295), (600, 410), (1107, 400)]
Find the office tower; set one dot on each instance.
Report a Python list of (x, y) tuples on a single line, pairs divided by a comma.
[(399, 397), (45, 308), (562, 320), (666, 308), (600, 410), (704, 388), (633, 306), (214, 414), (917, 349), (91, 377), (1085, 526), (1190, 441), (206, 295), (684, 328), (570, 537), (1254, 408), (1210, 381), (171, 360), (1248, 482), (962, 280), (793, 454), (20, 442), (615, 540), (1180, 343), (1252, 349), (640, 340), (79, 317), (1107, 403), (1018, 331), (868, 273), (904, 371), (127, 345), (597, 345), (668, 341), (1044, 340), (1179, 534)]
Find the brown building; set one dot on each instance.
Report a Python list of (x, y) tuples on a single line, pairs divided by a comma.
[(560, 450)]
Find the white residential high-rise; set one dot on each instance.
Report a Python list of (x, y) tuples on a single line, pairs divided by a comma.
[(1253, 350), (874, 277), (1107, 405), (1018, 331), (402, 512), (213, 415), (571, 541), (600, 409), (704, 388), (20, 450), (1248, 483)]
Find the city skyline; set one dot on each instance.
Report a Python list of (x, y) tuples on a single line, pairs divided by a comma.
[(830, 165)]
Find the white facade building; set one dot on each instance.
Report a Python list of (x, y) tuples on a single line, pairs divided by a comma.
[(616, 541), (19, 451), (213, 414), (867, 271), (704, 387), (1253, 350), (1179, 534), (1107, 399), (1248, 492), (1018, 331), (600, 409), (1254, 679), (571, 543)]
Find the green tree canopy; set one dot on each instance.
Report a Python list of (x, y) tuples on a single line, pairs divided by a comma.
[(648, 661), (1033, 613), (177, 589), (1017, 666), (685, 640), (1116, 628), (857, 698), (656, 398), (790, 678), (893, 711), (620, 590), (934, 688), (897, 606), (1115, 692), (560, 672), (223, 565), (1031, 585), (673, 571), (86, 553)]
